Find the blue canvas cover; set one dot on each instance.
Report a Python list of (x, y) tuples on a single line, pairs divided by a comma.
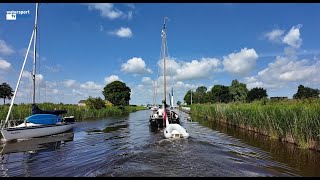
[(44, 119)]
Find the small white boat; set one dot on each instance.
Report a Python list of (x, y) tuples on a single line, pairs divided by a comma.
[(175, 131), (30, 130)]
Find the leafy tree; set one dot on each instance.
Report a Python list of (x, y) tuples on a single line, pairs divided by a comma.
[(306, 92), (95, 103), (117, 93), (187, 97), (238, 91), (178, 103), (200, 94), (256, 93), (220, 93), (6, 92)]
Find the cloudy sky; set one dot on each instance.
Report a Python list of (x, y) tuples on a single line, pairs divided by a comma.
[(83, 47)]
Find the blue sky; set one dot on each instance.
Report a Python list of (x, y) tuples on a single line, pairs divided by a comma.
[(82, 47)]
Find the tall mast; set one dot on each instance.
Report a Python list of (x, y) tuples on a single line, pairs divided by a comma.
[(34, 56), (164, 59)]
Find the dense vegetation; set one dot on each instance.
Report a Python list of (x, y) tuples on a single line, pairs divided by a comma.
[(238, 92), (80, 112), (117, 94), (294, 120)]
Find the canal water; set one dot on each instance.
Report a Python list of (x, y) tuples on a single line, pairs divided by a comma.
[(128, 146)]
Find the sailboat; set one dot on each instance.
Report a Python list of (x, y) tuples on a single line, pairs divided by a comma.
[(154, 107), (171, 122), (41, 122), (172, 106)]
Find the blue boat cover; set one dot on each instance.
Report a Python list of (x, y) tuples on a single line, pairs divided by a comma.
[(44, 119)]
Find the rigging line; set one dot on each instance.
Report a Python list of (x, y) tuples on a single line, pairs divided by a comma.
[(38, 37)]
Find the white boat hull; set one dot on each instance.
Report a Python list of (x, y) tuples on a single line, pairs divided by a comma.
[(175, 131), (34, 131)]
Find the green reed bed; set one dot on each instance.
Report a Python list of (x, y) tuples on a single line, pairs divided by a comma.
[(79, 112), (293, 121)]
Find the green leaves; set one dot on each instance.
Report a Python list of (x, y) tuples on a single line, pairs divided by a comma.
[(256, 94), (6, 92), (306, 92), (117, 93), (238, 91), (95, 103)]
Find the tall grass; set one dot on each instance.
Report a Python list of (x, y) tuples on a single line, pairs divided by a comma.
[(294, 121), (80, 113)]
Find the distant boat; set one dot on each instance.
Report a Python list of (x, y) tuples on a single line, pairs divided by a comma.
[(155, 119), (40, 123)]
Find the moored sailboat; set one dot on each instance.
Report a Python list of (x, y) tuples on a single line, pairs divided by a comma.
[(40, 123)]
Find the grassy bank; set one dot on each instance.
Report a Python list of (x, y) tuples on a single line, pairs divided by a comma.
[(297, 122), (79, 112)]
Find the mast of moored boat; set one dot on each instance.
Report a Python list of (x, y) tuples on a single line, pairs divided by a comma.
[(34, 56), (22, 68)]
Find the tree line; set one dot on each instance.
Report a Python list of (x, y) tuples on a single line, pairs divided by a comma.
[(238, 92), (117, 92)]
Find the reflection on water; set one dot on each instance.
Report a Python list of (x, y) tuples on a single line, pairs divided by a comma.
[(304, 161), (128, 146), (37, 144)]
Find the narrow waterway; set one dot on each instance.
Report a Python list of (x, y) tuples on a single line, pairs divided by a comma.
[(127, 146)]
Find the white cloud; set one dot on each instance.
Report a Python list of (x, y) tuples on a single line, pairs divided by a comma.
[(292, 38), (106, 10), (110, 79), (147, 90), (90, 85), (135, 65), (284, 71), (147, 80), (53, 91), (171, 66), (28, 75), (4, 64), (242, 62), (274, 35), (79, 93), (196, 69), (5, 49), (122, 32), (69, 83)]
